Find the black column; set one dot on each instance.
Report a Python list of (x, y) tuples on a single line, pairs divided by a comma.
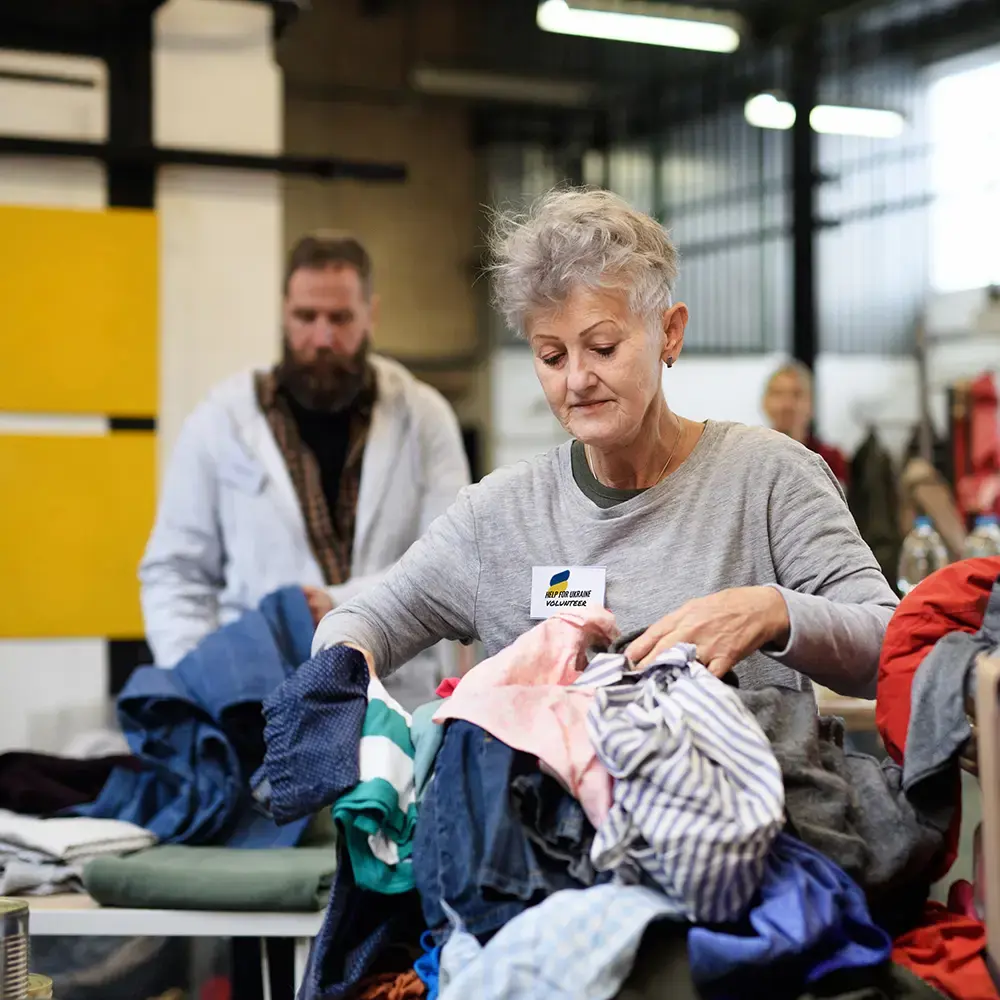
[(804, 92), (129, 58), (128, 54)]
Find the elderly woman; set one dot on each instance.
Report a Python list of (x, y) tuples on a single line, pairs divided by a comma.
[(733, 538)]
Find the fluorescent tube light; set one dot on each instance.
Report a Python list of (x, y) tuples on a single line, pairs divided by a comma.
[(470, 85), (871, 122), (645, 28), (768, 111)]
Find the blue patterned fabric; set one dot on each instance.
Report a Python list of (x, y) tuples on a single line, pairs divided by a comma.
[(314, 723), (197, 729), (358, 926), (312, 729), (809, 920)]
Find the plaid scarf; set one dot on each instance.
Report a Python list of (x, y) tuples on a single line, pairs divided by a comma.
[(331, 532)]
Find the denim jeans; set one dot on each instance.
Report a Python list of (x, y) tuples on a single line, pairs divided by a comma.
[(556, 824), (470, 849)]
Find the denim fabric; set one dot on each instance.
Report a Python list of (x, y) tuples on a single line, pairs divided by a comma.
[(313, 729), (469, 848), (197, 729), (809, 921), (358, 927), (555, 823)]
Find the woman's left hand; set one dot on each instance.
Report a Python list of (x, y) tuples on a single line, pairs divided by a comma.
[(724, 628)]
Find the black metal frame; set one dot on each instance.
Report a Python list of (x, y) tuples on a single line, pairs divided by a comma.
[(124, 41), (120, 155), (804, 90)]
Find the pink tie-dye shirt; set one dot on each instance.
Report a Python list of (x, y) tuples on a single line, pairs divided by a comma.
[(523, 696)]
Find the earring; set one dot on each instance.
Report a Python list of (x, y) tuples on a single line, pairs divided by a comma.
[(670, 361)]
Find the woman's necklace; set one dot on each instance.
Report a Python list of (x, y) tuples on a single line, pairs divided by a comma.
[(666, 465)]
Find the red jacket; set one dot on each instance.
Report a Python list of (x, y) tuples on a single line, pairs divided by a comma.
[(833, 457), (951, 600)]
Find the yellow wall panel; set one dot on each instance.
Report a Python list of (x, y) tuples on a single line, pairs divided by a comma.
[(75, 513), (78, 311)]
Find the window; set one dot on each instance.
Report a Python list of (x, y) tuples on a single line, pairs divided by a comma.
[(965, 178)]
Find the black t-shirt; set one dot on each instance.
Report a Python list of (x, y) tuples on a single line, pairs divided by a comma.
[(327, 436)]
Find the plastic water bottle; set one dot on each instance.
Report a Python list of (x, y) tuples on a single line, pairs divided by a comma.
[(923, 553), (985, 538)]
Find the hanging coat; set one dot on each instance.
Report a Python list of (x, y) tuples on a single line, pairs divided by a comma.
[(873, 497)]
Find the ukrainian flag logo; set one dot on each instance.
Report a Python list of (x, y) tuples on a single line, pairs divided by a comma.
[(559, 584)]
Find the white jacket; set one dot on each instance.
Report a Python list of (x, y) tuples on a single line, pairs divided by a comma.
[(229, 528)]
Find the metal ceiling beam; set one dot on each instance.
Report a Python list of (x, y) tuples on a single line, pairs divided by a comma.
[(68, 26), (324, 168)]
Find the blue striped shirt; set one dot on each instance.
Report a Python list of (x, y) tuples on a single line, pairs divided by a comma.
[(698, 796)]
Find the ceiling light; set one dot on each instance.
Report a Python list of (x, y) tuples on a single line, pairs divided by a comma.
[(644, 24), (472, 86), (768, 111), (871, 122)]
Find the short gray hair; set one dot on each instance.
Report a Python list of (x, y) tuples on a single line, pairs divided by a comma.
[(574, 237)]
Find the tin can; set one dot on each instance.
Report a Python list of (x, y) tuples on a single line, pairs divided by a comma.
[(13, 949), (39, 987)]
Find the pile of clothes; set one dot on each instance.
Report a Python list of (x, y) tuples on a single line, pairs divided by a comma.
[(195, 737), (44, 856), (150, 819), (559, 823), (196, 730)]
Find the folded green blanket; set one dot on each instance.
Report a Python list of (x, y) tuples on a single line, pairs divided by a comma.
[(293, 879)]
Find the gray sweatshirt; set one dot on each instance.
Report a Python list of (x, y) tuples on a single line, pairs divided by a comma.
[(748, 507)]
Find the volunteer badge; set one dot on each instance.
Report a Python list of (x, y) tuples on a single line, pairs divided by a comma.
[(566, 588)]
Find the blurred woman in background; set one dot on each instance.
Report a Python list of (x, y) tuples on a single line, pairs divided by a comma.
[(788, 406)]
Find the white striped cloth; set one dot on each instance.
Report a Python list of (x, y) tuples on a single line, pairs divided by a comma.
[(379, 814), (604, 669), (698, 795)]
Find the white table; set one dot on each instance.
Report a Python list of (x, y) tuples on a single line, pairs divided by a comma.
[(77, 915), (858, 713)]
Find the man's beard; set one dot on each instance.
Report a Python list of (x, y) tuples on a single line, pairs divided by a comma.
[(329, 383)]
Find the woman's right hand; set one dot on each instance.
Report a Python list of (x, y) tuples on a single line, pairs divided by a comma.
[(724, 628)]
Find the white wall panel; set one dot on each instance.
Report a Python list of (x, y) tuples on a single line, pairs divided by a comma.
[(216, 86), (51, 690), (215, 82)]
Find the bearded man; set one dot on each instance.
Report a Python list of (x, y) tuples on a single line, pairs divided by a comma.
[(320, 472)]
